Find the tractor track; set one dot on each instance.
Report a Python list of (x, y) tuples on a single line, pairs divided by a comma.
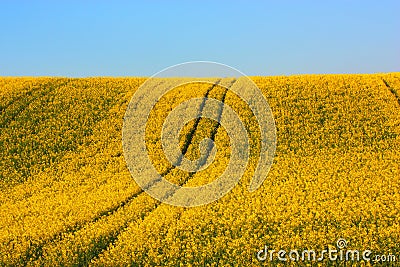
[(19, 97), (392, 90), (184, 150), (47, 89), (36, 251)]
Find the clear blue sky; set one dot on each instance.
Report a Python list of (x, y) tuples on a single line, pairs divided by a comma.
[(121, 38)]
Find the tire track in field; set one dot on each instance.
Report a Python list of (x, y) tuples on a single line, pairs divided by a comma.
[(214, 131), (36, 251), (18, 97), (43, 96), (392, 90), (209, 149), (47, 88), (186, 145), (40, 92), (189, 138), (11, 114)]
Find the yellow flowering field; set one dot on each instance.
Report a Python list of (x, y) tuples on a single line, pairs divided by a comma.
[(68, 198)]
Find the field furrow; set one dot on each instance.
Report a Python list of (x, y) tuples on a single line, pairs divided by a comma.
[(393, 91), (90, 241), (205, 129)]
